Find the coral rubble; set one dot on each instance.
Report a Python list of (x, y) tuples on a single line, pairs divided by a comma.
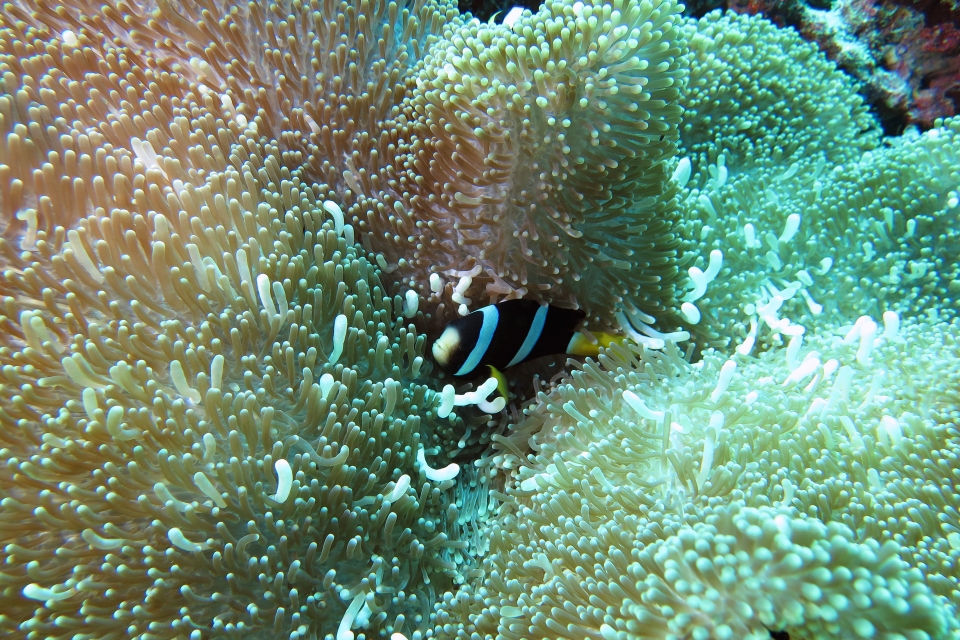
[(906, 55)]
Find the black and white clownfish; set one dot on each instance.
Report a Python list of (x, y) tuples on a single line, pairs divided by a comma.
[(505, 334)]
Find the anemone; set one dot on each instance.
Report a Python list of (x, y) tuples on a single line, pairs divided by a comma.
[(822, 245), (806, 491), (765, 100), (214, 416), (536, 160)]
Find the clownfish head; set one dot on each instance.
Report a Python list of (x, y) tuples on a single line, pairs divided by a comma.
[(446, 346)]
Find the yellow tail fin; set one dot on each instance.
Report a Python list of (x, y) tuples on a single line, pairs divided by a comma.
[(581, 345)]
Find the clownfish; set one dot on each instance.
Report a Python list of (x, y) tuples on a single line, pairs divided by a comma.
[(508, 333)]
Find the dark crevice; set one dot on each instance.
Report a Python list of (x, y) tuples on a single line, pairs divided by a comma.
[(699, 8), (892, 119), (953, 94), (484, 9)]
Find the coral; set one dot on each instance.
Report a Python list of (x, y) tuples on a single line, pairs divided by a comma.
[(798, 491), (211, 410), (903, 53), (928, 60)]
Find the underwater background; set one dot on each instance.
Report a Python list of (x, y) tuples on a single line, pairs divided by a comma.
[(230, 232)]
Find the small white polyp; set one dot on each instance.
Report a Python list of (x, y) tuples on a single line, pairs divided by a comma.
[(216, 372), (391, 390), (263, 288), (458, 291), (399, 489), (681, 175), (166, 497), (699, 281), (449, 472), (807, 367), (411, 303), (36, 592), (494, 406), (791, 228), (889, 431), (180, 382), (748, 343), (326, 383), (530, 484), (750, 235), (336, 213), (637, 327), (284, 479), (447, 398), (203, 483), (709, 445), (867, 334), (891, 324), (209, 448), (281, 297), (637, 404), (707, 205), (690, 312), (815, 307), (793, 348), (29, 240), (478, 396), (450, 399), (715, 264), (721, 174), (788, 492), (724, 379), (179, 540), (349, 616), (242, 265), (339, 336), (436, 284)]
